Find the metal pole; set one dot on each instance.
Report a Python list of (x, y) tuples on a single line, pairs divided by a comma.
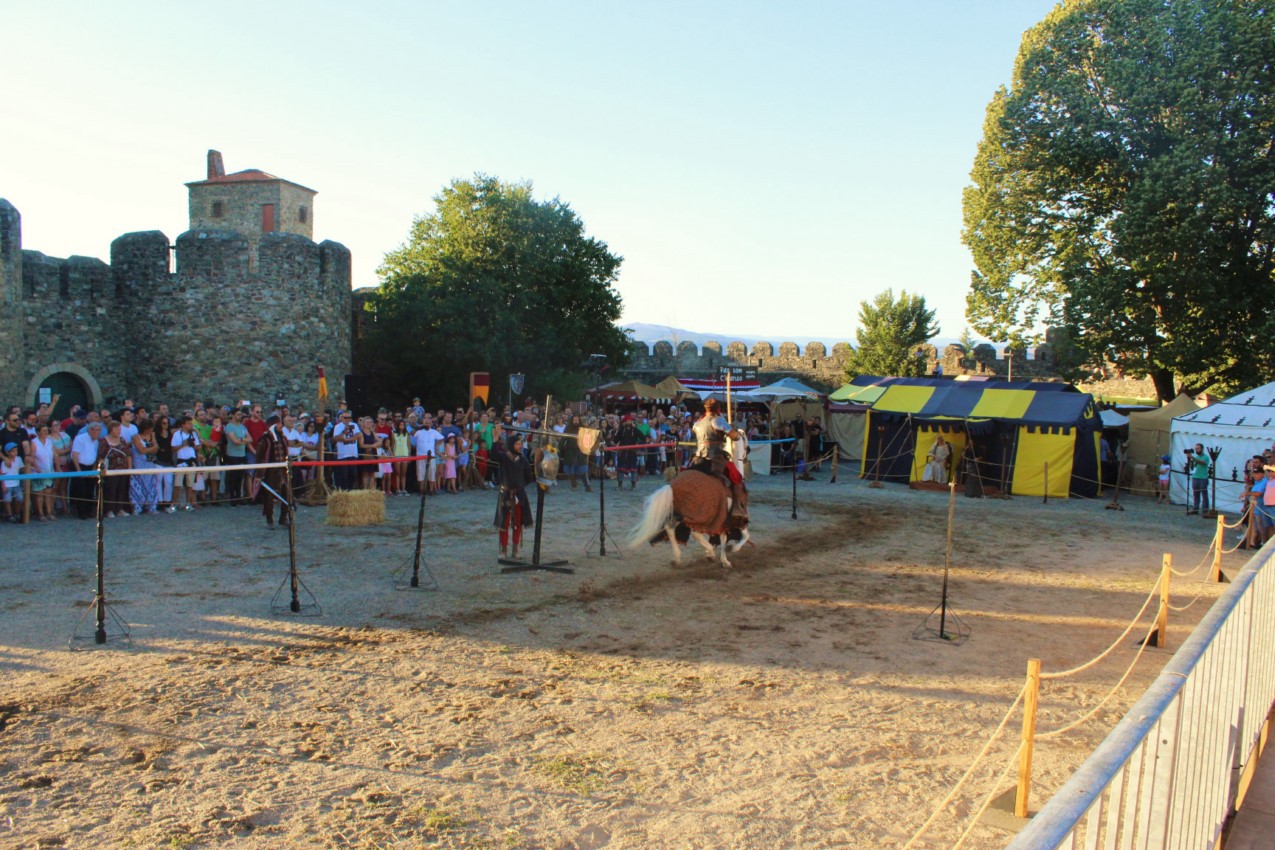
[(794, 482), (100, 635), (602, 512), (947, 560), (420, 529), (292, 539)]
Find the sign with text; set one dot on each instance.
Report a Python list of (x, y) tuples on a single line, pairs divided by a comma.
[(737, 373)]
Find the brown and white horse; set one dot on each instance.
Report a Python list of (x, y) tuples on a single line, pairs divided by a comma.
[(692, 504)]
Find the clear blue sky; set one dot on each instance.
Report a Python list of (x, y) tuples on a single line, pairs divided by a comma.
[(762, 167)]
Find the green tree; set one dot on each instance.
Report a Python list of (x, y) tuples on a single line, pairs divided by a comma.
[(1123, 190), (492, 281), (889, 332)]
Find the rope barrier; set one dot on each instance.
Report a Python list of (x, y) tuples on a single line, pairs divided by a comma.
[(1041, 736), (1062, 674), (987, 801), (977, 760)]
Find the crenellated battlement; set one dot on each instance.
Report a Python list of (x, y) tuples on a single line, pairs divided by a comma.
[(823, 366), (216, 314)]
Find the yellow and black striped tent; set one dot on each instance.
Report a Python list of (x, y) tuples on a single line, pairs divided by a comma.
[(1027, 437)]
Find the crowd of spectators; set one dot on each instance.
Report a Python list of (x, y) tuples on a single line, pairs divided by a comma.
[(222, 439)]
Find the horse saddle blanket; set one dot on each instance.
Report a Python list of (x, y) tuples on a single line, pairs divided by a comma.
[(700, 501)]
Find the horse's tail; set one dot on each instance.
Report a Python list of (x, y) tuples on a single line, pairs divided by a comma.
[(655, 513)]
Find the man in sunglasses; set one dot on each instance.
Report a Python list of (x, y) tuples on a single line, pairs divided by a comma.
[(14, 432)]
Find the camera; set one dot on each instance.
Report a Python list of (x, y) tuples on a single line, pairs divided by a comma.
[(1188, 451)]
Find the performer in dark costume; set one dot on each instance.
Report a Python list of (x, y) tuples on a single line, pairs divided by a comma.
[(626, 459), (273, 448), (513, 509)]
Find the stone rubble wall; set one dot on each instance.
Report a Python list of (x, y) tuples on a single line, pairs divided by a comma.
[(824, 368), (212, 328)]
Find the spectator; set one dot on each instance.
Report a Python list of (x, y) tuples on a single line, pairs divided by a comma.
[(345, 436), (11, 491), (401, 446), (43, 459), (236, 439), (143, 490), (15, 432), (164, 458), (369, 448), (62, 461), (116, 452), (427, 441), (185, 444), (84, 458)]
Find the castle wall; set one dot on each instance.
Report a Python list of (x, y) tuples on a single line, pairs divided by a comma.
[(12, 325), (211, 329), (825, 369), (71, 311)]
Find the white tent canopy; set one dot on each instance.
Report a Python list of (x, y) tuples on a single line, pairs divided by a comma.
[(1111, 419), (1240, 426)]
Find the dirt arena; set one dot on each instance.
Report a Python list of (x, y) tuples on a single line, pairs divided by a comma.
[(784, 704)]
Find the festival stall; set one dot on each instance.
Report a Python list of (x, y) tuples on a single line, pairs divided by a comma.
[(1149, 441), (1031, 438), (1240, 427)]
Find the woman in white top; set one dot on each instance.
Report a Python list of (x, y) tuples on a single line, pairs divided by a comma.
[(43, 459)]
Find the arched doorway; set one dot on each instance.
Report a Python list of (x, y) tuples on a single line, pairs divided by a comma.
[(68, 389), (70, 383)]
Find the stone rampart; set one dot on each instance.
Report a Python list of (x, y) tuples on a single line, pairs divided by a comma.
[(213, 328), (824, 368)]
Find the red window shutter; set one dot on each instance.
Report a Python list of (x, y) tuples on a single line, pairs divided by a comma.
[(267, 218)]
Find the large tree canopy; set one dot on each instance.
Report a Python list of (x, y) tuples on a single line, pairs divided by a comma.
[(889, 332), (1124, 190), (492, 281)]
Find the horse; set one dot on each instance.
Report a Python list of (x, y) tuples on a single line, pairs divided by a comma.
[(692, 506)]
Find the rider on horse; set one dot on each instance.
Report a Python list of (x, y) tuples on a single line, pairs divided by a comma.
[(711, 433)]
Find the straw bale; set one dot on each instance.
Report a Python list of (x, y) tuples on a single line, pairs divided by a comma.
[(356, 507)]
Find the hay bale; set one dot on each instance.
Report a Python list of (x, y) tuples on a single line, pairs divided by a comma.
[(356, 507)]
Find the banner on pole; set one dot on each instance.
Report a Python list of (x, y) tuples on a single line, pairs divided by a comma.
[(479, 389), (516, 382)]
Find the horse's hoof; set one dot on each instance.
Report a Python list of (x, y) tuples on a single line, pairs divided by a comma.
[(726, 565)]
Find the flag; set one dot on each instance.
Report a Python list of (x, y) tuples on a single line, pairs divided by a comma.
[(323, 387), (479, 385)]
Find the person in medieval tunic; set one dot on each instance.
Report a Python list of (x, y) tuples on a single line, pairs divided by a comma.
[(513, 509), (936, 461), (626, 457), (273, 448), (711, 433)]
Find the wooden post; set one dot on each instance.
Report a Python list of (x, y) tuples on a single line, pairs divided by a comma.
[(1046, 482), (836, 452), (1031, 698), (1215, 575), (26, 500), (1160, 637)]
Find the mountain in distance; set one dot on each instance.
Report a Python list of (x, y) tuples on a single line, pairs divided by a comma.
[(651, 334)]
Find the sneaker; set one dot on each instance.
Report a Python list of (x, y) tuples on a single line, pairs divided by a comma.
[(109, 515), (170, 509), (137, 511), (188, 508)]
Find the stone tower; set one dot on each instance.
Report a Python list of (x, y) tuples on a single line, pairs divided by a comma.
[(251, 203), (12, 346), (244, 305)]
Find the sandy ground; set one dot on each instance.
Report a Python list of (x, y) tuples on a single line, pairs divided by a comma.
[(629, 705)]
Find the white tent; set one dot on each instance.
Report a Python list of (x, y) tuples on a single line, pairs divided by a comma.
[(1111, 419), (1241, 426)]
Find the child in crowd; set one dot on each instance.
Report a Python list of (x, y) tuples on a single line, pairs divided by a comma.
[(450, 454), (12, 490)]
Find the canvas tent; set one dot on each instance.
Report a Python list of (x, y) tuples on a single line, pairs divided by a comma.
[(1149, 441), (1029, 437), (1240, 426), (628, 391)]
